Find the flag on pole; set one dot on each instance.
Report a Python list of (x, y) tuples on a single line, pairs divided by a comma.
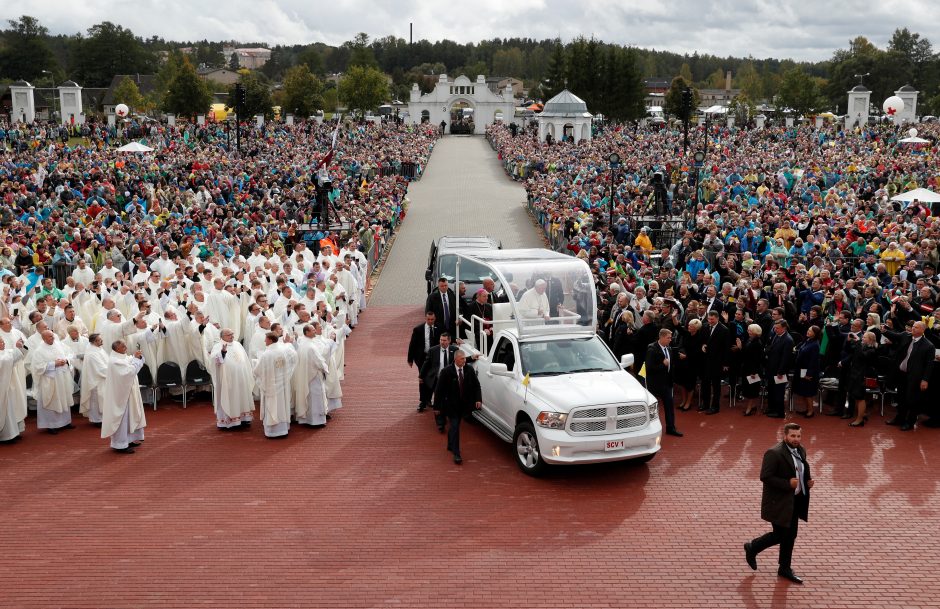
[(325, 161), (525, 383), (824, 343), (642, 371)]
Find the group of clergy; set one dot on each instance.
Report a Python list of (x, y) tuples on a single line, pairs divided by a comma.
[(267, 328)]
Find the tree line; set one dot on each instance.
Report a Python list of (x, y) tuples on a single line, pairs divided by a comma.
[(608, 76)]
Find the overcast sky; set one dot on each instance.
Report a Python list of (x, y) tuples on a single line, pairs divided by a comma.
[(797, 29)]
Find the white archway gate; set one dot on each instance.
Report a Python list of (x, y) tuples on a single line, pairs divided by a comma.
[(439, 103)]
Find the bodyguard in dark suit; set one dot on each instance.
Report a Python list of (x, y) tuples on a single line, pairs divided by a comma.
[(457, 395), (439, 357), (424, 337), (716, 349), (785, 500), (916, 365), (659, 366), (779, 352), (443, 303)]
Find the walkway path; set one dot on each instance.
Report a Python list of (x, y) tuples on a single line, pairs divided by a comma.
[(464, 191)]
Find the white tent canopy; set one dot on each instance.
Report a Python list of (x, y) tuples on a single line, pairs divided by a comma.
[(135, 147), (921, 194), (716, 110), (913, 140)]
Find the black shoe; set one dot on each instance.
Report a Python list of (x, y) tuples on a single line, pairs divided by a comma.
[(134, 444), (701, 409), (69, 426), (126, 451), (894, 421), (421, 408), (329, 417), (711, 411), (674, 432), (98, 425), (750, 556), (458, 460), (775, 415), (440, 429), (832, 413), (906, 427), (11, 440), (52, 431), (789, 574), (932, 423), (846, 415)]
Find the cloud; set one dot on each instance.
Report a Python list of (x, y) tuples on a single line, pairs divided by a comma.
[(799, 29)]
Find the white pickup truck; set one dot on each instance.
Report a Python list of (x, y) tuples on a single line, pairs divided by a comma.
[(550, 385)]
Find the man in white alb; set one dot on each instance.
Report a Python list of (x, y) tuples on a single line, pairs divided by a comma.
[(534, 303), (10, 425), (122, 412), (233, 383), (52, 378), (94, 373), (310, 404), (273, 372)]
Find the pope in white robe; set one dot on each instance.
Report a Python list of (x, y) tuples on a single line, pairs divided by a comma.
[(122, 413), (10, 425), (534, 303), (52, 379), (233, 383), (94, 373), (310, 406), (273, 372)]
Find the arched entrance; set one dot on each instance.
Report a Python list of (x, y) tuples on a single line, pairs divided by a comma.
[(461, 117), (498, 116), (425, 116)]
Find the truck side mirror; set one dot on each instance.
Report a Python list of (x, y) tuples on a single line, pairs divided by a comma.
[(499, 370), (626, 360), (427, 275)]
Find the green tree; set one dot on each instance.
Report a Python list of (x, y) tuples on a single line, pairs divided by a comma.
[(742, 108), (685, 72), (624, 86), (715, 80), (127, 93), (233, 64), (363, 89), (302, 92), (360, 54), (313, 59), (109, 49), (749, 81), (26, 52), (187, 94), (508, 62), (799, 92), (330, 100), (673, 99), (257, 94), (555, 80)]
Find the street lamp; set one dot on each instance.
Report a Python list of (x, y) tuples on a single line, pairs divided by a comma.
[(614, 160), (54, 91)]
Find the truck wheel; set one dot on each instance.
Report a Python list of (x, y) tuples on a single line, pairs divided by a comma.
[(526, 444)]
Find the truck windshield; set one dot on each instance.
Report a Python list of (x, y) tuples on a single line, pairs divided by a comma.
[(553, 357), (470, 272)]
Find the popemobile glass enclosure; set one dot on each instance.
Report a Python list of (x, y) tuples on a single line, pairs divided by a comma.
[(536, 292)]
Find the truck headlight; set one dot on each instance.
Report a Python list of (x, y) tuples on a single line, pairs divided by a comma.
[(552, 420), (654, 409)]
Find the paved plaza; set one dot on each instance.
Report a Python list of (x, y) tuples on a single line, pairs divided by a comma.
[(371, 511)]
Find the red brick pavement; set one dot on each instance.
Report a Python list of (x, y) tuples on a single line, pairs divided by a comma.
[(370, 512)]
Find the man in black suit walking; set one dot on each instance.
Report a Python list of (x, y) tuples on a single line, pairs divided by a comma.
[(443, 303), (716, 362), (785, 500), (457, 395), (659, 362), (779, 352), (439, 357), (916, 366), (423, 338)]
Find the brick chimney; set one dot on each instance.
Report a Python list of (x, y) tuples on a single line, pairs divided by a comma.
[(728, 80)]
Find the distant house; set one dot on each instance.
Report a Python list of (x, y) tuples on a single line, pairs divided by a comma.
[(223, 76), (718, 97), (146, 83), (252, 58), (497, 84), (657, 85)]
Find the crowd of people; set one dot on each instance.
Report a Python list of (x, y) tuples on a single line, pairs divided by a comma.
[(193, 257), (789, 261)]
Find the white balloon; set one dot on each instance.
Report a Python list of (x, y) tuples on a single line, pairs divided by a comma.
[(912, 132), (121, 110), (893, 106)]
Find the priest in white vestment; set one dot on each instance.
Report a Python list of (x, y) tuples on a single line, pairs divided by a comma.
[(273, 372), (233, 382), (122, 413), (52, 379), (94, 372), (310, 405), (10, 425), (16, 389)]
